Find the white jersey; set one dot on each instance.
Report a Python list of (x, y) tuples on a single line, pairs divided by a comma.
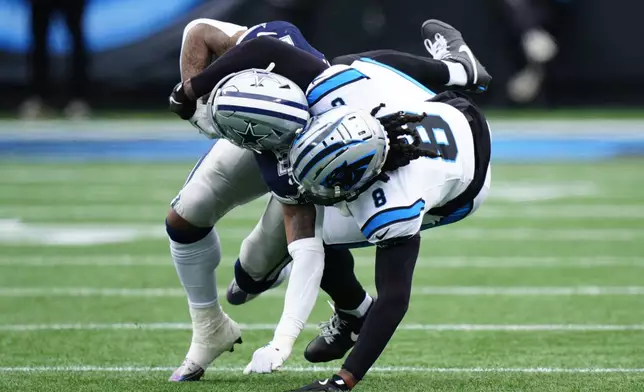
[(365, 84), (398, 207)]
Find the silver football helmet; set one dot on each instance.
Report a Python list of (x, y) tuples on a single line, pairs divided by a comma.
[(338, 154), (257, 109)]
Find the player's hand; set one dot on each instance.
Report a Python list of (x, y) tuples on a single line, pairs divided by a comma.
[(181, 104), (204, 123), (267, 359)]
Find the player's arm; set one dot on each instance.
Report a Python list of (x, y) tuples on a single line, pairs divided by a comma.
[(395, 262), (307, 251), (391, 219), (290, 62), (303, 225), (204, 39)]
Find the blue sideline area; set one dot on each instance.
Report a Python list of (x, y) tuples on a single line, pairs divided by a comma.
[(512, 142)]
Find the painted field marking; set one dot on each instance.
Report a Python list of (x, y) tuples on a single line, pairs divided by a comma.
[(15, 232), (271, 327), (164, 260), (157, 210), (313, 369), (23, 292)]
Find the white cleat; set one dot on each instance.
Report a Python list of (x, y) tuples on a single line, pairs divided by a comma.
[(213, 333), (188, 371)]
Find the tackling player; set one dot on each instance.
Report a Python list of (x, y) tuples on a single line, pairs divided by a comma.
[(226, 177), (303, 244)]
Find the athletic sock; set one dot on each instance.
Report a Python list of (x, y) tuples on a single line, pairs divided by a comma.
[(457, 74), (195, 264), (362, 309)]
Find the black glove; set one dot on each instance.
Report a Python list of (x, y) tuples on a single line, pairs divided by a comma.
[(180, 104)]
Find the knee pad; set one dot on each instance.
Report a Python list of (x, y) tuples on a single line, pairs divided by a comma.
[(248, 284), (187, 235)]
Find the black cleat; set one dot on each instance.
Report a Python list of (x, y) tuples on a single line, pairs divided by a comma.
[(335, 383), (336, 338), (236, 296), (444, 42)]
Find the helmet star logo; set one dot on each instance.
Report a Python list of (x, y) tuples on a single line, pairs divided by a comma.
[(261, 76), (249, 137)]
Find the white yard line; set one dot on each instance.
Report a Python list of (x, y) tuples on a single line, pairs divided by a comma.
[(307, 369), (156, 211), (271, 327), (22, 292), (559, 212), (529, 291), (535, 234), (163, 260), (17, 232)]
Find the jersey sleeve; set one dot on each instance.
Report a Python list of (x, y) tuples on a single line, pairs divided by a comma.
[(321, 94), (293, 63), (387, 211), (274, 170)]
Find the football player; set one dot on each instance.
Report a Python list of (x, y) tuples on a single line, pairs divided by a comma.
[(226, 177), (376, 174), (453, 64)]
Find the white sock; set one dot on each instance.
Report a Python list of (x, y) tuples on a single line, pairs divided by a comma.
[(195, 264), (362, 309), (457, 74)]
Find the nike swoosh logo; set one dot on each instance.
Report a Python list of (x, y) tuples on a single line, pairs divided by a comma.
[(380, 237), (323, 382), (354, 337), (468, 52), (174, 101), (266, 33)]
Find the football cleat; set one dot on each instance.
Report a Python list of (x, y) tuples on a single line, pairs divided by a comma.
[(336, 338), (213, 333), (335, 383), (188, 371), (444, 42), (236, 296)]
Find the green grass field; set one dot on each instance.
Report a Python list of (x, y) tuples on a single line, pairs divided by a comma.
[(542, 290)]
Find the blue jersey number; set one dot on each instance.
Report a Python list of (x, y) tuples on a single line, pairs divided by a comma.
[(379, 198), (437, 134)]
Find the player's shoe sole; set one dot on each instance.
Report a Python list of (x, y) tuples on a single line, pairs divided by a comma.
[(459, 51)]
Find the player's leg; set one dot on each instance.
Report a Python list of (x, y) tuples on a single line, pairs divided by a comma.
[(74, 11), (261, 266), (224, 178), (264, 261), (351, 302), (394, 271), (452, 62), (446, 44), (38, 60)]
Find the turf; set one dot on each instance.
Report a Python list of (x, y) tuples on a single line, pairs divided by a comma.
[(541, 290)]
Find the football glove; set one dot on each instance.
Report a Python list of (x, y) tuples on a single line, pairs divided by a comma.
[(181, 104), (267, 359)]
